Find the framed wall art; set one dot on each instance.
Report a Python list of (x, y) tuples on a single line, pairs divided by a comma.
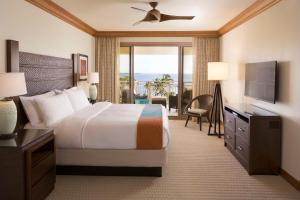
[(82, 67)]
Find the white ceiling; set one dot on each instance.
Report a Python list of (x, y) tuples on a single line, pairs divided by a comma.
[(116, 15)]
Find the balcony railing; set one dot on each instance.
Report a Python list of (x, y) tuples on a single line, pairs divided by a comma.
[(140, 87), (144, 91)]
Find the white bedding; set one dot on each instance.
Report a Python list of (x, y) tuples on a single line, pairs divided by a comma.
[(104, 126)]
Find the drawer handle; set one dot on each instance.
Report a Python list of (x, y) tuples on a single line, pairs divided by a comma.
[(240, 129), (240, 148), (228, 137)]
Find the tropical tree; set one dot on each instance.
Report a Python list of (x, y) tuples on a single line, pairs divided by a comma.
[(124, 82), (159, 85)]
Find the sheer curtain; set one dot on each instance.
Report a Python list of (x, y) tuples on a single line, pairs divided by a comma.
[(107, 64), (204, 50)]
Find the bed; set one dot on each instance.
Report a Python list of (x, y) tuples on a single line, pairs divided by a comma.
[(93, 141)]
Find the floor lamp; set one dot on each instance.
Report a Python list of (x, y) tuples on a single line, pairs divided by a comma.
[(217, 71)]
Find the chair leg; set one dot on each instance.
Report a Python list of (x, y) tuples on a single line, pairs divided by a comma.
[(187, 120), (200, 119)]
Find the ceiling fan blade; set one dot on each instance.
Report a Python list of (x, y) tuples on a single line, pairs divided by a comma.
[(164, 17), (139, 9), (137, 23), (148, 18)]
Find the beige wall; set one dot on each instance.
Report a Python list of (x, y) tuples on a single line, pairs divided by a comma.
[(40, 32), (272, 35)]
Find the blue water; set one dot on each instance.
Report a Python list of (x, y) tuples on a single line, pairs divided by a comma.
[(151, 77)]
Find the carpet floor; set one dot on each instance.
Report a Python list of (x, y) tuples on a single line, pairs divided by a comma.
[(199, 167)]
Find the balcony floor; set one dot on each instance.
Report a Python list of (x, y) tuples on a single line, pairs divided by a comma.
[(173, 112)]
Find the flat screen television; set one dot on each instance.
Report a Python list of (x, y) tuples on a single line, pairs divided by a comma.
[(260, 81)]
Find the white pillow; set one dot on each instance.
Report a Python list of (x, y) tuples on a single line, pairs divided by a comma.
[(54, 109), (72, 88), (77, 98), (56, 91), (30, 107)]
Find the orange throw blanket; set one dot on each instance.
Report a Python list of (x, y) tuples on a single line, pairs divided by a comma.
[(150, 128)]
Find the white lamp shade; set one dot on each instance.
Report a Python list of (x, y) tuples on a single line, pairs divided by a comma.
[(217, 71), (93, 77), (12, 84)]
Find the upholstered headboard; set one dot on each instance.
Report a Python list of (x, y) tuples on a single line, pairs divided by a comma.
[(42, 74), (45, 73)]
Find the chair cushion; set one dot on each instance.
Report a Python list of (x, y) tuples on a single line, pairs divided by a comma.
[(197, 111)]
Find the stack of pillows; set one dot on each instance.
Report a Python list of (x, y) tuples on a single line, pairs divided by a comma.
[(46, 110)]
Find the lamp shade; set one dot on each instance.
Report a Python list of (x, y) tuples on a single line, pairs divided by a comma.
[(93, 77), (12, 84), (217, 71)]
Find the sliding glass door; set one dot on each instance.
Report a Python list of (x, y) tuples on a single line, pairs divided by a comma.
[(156, 74)]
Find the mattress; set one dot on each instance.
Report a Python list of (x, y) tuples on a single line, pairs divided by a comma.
[(104, 126)]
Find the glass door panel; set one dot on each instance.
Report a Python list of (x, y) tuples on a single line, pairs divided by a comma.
[(186, 96), (125, 94)]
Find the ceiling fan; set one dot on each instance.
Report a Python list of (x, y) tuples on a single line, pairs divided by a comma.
[(154, 15)]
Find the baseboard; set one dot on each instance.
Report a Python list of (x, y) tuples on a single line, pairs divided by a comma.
[(289, 178)]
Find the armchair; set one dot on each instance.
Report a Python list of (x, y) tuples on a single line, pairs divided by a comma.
[(203, 110)]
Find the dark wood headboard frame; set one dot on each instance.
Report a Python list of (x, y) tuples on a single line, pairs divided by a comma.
[(42, 74)]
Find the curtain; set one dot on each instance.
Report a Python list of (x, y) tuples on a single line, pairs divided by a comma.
[(107, 64), (204, 50)]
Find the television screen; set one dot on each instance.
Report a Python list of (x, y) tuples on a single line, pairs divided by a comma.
[(260, 81)]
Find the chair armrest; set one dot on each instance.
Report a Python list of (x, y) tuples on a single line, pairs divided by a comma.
[(189, 105)]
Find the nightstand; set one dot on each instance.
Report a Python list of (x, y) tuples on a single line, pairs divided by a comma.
[(27, 167)]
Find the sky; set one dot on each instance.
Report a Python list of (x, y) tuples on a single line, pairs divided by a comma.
[(161, 64)]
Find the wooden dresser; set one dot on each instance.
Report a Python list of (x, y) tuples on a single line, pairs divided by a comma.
[(253, 135), (27, 168)]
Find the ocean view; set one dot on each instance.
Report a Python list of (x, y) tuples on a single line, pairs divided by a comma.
[(150, 77)]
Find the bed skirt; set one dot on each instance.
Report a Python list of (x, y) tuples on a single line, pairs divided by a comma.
[(111, 162), (109, 171)]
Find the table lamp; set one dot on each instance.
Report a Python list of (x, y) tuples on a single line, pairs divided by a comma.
[(11, 84), (217, 71), (93, 78)]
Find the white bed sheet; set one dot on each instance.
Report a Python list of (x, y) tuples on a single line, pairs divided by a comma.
[(104, 126)]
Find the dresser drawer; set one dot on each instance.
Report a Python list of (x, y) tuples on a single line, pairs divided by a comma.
[(241, 148), (229, 137), (42, 168), (230, 121), (242, 130)]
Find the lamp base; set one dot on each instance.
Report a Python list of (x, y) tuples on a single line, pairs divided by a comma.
[(8, 116), (93, 92), (7, 136)]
